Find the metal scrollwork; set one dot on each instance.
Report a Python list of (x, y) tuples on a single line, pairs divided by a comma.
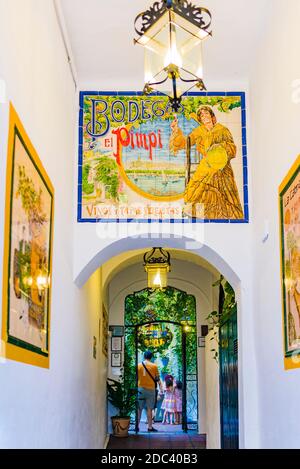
[(199, 16), (145, 20), (150, 258)]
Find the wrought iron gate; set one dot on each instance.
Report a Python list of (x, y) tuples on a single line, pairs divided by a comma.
[(187, 369)]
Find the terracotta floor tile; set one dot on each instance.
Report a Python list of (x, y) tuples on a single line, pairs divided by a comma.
[(164, 440)]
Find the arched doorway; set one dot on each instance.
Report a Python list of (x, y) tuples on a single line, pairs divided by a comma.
[(128, 250), (165, 322)]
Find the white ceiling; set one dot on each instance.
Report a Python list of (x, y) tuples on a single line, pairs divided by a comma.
[(101, 36)]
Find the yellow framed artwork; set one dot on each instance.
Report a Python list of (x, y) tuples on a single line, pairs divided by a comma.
[(27, 267), (289, 207)]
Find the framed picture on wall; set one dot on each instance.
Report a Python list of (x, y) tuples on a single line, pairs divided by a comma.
[(116, 344), (116, 360), (28, 251), (289, 206), (104, 331), (117, 331), (201, 342)]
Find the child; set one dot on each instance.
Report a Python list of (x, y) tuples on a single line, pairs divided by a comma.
[(178, 402), (169, 404)]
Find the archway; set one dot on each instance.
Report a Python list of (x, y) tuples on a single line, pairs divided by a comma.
[(165, 322), (197, 252)]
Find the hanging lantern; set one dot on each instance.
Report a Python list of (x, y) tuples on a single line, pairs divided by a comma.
[(172, 32), (157, 265)]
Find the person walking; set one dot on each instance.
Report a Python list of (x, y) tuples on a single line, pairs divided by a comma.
[(148, 378)]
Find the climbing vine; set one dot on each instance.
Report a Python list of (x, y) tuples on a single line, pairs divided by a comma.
[(169, 304)]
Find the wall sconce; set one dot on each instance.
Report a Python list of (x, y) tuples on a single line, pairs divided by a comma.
[(172, 32), (157, 265)]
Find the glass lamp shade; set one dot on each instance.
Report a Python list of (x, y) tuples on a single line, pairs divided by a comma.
[(173, 50), (157, 275), (187, 326)]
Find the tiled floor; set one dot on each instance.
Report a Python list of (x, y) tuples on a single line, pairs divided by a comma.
[(164, 439)]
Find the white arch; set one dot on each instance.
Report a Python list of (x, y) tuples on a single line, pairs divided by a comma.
[(148, 240), (236, 272)]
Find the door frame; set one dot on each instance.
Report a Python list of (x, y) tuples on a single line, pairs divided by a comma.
[(184, 367)]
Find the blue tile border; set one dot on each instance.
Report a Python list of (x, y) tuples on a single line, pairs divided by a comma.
[(217, 93), (80, 136), (80, 219), (79, 175), (149, 220), (246, 196), (81, 118), (243, 118), (80, 156)]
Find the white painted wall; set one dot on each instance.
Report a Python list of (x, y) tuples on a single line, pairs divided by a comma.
[(62, 407), (186, 276), (275, 145), (213, 440)]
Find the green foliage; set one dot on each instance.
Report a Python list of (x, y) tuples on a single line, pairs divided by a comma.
[(24, 263), (31, 198), (168, 304), (122, 397), (222, 103), (228, 307), (191, 352), (129, 359), (87, 187), (107, 173)]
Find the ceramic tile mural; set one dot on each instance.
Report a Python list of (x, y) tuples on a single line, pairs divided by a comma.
[(27, 254), (289, 194), (139, 161)]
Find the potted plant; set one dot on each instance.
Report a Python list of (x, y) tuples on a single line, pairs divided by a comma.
[(123, 399)]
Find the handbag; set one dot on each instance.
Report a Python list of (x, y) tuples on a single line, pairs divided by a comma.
[(155, 380)]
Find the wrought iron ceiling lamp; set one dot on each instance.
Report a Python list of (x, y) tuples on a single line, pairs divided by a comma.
[(172, 32), (157, 265)]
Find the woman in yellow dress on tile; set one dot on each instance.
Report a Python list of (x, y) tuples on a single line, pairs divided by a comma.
[(212, 187)]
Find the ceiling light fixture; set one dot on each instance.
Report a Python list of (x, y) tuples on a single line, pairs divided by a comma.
[(157, 265), (172, 32)]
